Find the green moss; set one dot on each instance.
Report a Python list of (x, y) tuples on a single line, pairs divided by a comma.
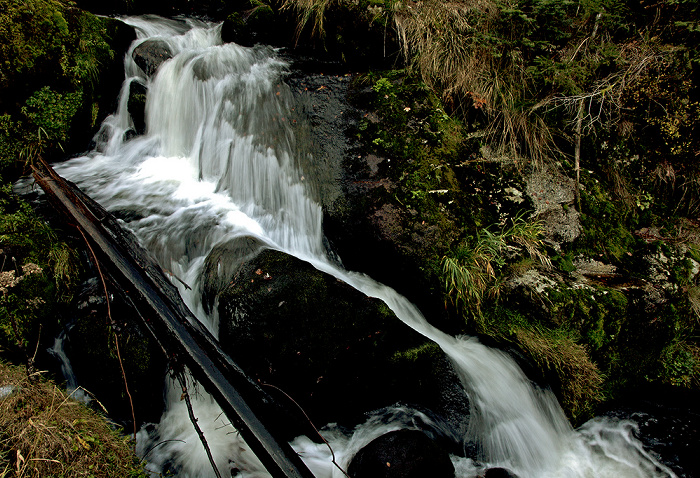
[(607, 224), (24, 308), (50, 57), (37, 274), (680, 364), (597, 314), (564, 262), (51, 112), (559, 353), (413, 122), (578, 378), (428, 349)]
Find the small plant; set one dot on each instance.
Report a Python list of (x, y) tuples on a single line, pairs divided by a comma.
[(309, 11), (473, 273), (680, 364)]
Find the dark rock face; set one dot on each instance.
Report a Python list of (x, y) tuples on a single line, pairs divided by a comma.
[(137, 106), (669, 426), (90, 347), (318, 339), (362, 223), (150, 54), (204, 8), (257, 25), (498, 473), (105, 92), (402, 454)]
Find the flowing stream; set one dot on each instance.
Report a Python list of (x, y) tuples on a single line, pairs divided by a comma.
[(217, 161)]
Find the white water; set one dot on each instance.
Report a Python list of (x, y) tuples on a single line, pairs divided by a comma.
[(58, 352), (218, 161)]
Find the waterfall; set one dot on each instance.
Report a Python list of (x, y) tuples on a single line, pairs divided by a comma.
[(219, 160)]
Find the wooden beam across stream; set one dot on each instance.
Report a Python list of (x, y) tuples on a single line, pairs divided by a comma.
[(171, 323)]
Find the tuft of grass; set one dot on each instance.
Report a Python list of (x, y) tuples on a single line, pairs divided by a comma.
[(473, 272), (694, 301), (581, 381), (64, 264), (309, 11), (43, 432)]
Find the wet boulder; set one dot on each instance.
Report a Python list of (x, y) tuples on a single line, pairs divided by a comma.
[(384, 240), (335, 351), (222, 264), (137, 106), (150, 54), (402, 454)]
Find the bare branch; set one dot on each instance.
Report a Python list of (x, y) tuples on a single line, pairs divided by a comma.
[(193, 419)]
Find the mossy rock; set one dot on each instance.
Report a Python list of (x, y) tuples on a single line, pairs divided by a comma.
[(63, 70), (223, 263), (323, 342), (374, 234)]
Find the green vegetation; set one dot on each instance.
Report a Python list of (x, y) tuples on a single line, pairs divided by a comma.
[(38, 273), (411, 126), (578, 376), (603, 91), (50, 57), (477, 271), (54, 60)]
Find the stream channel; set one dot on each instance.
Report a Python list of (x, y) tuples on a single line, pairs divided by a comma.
[(215, 164)]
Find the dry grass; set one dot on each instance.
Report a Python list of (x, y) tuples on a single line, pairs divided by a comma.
[(579, 377), (694, 301), (448, 44), (45, 433), (312, 11)]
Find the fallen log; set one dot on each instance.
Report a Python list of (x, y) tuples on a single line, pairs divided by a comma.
[(172, 324)]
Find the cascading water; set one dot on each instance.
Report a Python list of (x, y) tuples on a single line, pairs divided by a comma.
[(218, 161), (58, 352)]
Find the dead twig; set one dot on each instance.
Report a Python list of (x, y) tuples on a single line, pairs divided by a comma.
[(193, 419)]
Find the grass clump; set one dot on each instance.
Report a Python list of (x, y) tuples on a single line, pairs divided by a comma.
[(477, 271), (43, 432), (556, 350)]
